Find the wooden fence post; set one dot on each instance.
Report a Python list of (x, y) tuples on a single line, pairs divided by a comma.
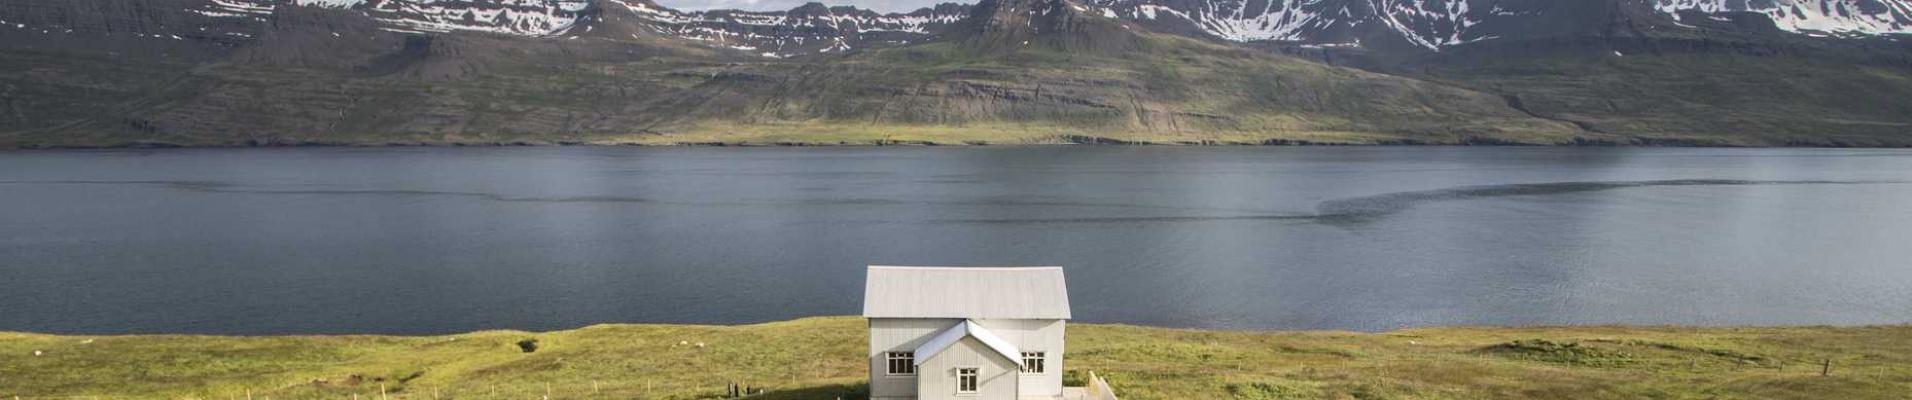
[(1826, 370)]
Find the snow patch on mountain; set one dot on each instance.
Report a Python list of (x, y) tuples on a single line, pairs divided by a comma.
[(514, 17), (1426, 23), (1839, 17), (238, 8), (1275, 21), (1436, 24), (1430, 24), (812, 28)]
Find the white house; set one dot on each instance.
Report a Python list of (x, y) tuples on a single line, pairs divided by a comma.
[(966, 333)]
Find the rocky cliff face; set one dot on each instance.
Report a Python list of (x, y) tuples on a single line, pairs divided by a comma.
[(241, 72), (1844, 18), (1386, 25), (1438, 24), (810, 29)]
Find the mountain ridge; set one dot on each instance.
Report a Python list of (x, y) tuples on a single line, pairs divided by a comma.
[(284, 72)]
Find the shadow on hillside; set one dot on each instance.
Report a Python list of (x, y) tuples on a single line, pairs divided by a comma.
[(858, 391)]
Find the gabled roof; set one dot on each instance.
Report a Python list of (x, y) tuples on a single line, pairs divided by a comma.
[(967, 328), (955, 292)]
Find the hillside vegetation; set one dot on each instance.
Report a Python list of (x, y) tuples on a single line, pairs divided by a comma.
[(821, 359), (1007, 72)]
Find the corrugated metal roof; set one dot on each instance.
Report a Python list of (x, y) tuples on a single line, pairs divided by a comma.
[(958, 292), (967, 328)]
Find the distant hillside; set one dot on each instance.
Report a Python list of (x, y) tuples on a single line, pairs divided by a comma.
[(823, 359), (89, 73)]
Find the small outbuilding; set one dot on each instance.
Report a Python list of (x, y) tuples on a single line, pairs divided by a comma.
[(969, 333)]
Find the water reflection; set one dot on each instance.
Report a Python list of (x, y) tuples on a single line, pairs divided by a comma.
[(443, 240)]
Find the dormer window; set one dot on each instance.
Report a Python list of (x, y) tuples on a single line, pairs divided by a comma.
[(1032, 362), (966, 379), (902, 363)]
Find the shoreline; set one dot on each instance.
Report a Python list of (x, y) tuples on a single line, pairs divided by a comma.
[(155, 146), (615, 325), (1050, 140)]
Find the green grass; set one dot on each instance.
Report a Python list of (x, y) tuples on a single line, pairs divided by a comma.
[(821, 358)]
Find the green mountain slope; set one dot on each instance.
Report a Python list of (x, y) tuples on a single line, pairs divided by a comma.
[(1036, 70), (1697, 87), (1013, 72)]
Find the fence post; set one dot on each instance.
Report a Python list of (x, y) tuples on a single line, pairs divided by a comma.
[(1826, 370)]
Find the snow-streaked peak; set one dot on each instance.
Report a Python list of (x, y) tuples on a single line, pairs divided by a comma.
[(816, 28), (1836, 17), (1429, 24), (1436, 24), (809, 29), (514, 17), (1426, 23)]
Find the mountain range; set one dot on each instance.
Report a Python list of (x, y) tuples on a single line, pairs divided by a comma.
[(100, 73)]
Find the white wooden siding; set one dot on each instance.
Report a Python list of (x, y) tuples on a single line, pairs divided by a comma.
[(898, 334), (1046, 336), (937, 377), (905, 334)]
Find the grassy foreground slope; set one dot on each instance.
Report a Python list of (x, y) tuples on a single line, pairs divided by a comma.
[(821, 358)]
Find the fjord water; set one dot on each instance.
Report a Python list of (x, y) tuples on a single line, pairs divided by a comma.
[(432, 240)]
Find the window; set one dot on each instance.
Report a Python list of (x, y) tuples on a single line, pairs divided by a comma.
[(902, 362), (966, 380), (1032, 362)]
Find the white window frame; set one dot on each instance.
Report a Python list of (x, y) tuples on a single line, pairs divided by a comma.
[(975, 381), (1039, 366), (891, 358)]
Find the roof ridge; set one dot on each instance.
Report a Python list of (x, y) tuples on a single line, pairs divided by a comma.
[(965, 292), (969, 328)]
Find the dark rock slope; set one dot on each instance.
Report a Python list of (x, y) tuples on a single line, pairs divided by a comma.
[(271, 72)]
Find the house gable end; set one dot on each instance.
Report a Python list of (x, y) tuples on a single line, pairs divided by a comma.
[(968, 330), (939, 377)]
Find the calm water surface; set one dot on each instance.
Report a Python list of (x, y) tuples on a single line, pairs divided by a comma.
[(410, 240)]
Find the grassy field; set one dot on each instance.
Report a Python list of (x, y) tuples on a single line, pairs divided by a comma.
[(820, 358)]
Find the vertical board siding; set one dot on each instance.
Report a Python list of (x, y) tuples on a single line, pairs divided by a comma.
[(938, 374), (898, 334), (908, 306), (1035, 335), (905, 334)]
